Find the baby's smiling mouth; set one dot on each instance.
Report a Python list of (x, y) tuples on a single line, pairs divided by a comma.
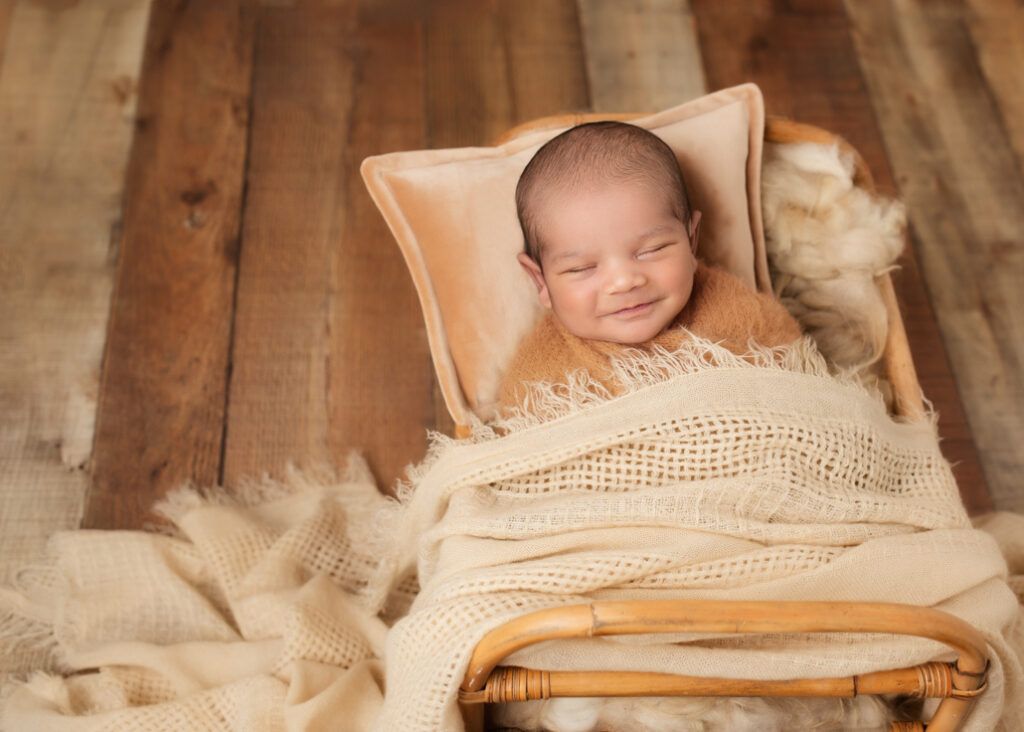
[(633, 309)]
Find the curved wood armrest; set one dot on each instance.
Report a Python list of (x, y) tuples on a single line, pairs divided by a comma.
[(957, 682), (898, 363)]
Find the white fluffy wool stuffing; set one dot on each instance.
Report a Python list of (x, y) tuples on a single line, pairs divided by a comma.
[(827, 240), (694, 714)]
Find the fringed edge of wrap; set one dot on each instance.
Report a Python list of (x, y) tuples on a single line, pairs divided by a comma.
[(637, 370), (28, 640)]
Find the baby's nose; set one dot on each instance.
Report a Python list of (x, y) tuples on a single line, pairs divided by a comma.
[(624, 278)]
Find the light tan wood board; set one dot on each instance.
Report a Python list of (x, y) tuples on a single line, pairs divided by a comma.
[(641, 56), (953, 160), (67, 99), (997, 30), (162, 399)]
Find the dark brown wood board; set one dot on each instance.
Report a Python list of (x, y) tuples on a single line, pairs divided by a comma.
[(381, 390), (160, 417), (302, 97), (6, 10)]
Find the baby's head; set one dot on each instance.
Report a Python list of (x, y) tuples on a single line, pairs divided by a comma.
[(610, 237)]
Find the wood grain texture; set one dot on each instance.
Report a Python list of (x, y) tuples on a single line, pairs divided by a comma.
[(67, 96), (468, 95), (381, 381), (641, 56), (6, 11), (803, 57), (302, 94), (543, 44), (490, 66), (956, 168), (997, 33), (494, 64), (161, 408)]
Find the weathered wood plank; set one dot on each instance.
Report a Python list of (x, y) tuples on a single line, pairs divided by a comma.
[(641, 56), (381, 382), (956, 168), (161, 404), (547, 70), (6, 10), (468, 95), (490, 66), (493, 65), (302, 93), (997, 31), (67, 97), (803, 57)]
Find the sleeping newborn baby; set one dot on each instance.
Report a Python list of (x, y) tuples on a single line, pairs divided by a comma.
[(611, 246)]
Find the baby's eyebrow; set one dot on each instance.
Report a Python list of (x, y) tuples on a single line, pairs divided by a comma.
[(572, 254), (655, 231)]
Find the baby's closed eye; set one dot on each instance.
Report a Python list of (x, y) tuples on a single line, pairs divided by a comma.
[(655, 249)]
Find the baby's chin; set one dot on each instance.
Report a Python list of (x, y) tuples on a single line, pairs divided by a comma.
[(626, 334)]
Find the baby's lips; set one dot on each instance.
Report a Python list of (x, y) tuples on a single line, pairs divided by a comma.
[(626, 310)]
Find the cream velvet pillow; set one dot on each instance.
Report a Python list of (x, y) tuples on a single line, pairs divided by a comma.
[(453, 214)]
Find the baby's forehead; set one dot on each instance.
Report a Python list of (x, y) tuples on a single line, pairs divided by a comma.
[(559, 201), (613, 217), (588, 185)]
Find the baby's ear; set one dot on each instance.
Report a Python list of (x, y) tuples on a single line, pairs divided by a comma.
[(694, 230), (537, 275)]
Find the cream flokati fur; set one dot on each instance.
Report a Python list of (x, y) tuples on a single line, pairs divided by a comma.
[(681, 714), (827, 240)]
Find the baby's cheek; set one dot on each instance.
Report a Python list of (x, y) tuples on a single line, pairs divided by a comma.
[(575, 293)]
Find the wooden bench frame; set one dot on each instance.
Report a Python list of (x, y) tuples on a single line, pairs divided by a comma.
[(956, 683)]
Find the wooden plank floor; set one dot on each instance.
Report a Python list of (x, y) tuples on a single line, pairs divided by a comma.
[(261, 314)]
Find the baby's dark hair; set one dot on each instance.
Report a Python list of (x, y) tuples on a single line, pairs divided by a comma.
[(612, 151)]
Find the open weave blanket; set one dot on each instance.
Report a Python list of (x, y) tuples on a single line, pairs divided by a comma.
[(761, 478)]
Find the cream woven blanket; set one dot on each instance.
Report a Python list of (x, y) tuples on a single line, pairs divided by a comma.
[(290, 609)]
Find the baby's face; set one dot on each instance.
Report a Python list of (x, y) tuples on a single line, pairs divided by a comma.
[(617, 264)]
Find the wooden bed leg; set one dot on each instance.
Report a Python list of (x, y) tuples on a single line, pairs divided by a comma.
[(473, 716)]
